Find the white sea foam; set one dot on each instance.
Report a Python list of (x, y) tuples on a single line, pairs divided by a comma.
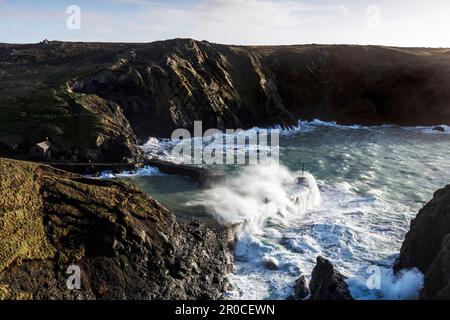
[(161, 148), (431, 129), (307, 126), (405, 285), (145, 171), (229, 143), (372, 181), (339, 224), (320, 123), (265, 199)]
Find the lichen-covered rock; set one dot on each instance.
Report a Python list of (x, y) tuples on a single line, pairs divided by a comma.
[(126, 244), (427, 246)]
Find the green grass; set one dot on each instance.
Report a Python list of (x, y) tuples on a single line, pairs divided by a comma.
[(47, 112)]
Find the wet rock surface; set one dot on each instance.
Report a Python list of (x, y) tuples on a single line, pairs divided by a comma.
[(328, 283), (427, 246), (125, 243), (301, 289)]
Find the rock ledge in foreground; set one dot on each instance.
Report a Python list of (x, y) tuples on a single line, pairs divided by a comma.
[(126, 244)]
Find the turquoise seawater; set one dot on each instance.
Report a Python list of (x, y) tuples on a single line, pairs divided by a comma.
[(372, 182)]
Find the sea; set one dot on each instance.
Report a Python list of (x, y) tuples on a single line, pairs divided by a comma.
[(347, 193)]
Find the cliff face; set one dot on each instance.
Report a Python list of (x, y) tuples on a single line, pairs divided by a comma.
[(166, 85), (133, 91), (126, 245), (427, 246)]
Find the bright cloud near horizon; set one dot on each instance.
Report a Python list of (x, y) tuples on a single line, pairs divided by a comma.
[(253, 22)]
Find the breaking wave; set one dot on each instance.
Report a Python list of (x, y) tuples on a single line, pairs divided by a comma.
[(261, 193)]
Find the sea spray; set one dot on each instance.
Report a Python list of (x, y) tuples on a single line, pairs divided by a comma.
[(264, 199), (405, 285), (162, 148), (261, 193)]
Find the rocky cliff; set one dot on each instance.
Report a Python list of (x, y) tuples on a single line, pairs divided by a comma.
[(91, 98), (126, 244), (427, 246)]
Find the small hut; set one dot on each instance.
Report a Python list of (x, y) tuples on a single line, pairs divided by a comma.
[(42, 150)]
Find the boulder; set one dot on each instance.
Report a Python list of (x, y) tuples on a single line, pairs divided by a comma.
[(328, 283), (270, 263), (301, 290)]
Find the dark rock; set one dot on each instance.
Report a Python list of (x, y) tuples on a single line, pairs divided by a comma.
[(301, 290), (439, 129), (132, 91), (437, 278), (126, 244), (270, 264), (327, 283), (426, 246)]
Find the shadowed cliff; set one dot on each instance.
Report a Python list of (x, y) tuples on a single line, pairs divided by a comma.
[(427, 246), (91, 98)]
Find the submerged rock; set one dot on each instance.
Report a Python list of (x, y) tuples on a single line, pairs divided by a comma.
[(328, 283), (125, 244), (301, 290), (439, 129), (271, 263), (427, 246)]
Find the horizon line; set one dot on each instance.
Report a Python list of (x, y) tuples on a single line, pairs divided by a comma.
[(226, 44)]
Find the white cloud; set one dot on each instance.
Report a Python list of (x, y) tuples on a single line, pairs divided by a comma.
[(402, 23), (236, 21)]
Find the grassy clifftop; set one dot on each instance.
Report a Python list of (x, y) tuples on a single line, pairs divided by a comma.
[(22, 234), (36, 102)]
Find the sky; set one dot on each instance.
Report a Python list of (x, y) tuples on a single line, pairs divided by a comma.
[(413, 23)]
